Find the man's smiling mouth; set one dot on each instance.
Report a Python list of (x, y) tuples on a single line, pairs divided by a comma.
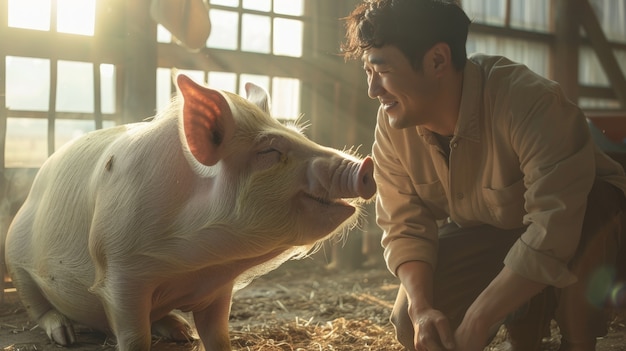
[(388, 104)]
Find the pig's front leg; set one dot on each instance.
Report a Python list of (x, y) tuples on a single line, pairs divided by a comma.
[(127, 306), (132, 332), (212, 323)]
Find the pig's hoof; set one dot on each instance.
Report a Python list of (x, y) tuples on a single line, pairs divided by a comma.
[(173, 327), (59, 329)]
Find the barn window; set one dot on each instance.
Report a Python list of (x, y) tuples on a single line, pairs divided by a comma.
[(50, 99), (72, 16), (523, 31), (255, 30), (26, 145)]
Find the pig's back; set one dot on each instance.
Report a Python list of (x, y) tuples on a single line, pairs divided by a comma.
[(57, 209)]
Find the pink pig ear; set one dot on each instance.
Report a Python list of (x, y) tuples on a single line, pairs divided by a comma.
[(207, 120), (258, 96)]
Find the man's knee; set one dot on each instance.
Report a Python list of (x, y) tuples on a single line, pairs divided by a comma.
[(581, 313)]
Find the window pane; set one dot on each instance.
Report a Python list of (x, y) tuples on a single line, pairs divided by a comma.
[(163, 88), (224, 81), (287, 37), (29, 14), (286, 98), (259, 5), (262, 81), (612, 17), (76, 16), (255, 33), (232, 3), (27, 83), (195, 75), (75, 86), (107, 86), (530, 14), (69, 129), (26, 142), (534, 55), (590, 71), (163, 35), (289, 7), (486, 11), (224, 29), (591, 103)]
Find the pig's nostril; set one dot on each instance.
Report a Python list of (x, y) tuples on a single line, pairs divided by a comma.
[(366, 179)]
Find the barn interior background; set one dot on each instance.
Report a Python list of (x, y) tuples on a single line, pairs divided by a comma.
[(71, 66)]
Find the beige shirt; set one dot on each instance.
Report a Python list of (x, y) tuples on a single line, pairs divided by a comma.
[(521, 156)]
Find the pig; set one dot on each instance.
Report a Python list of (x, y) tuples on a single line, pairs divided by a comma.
[(126, 226)]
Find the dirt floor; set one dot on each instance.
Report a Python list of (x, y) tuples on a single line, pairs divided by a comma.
[(301, 306)]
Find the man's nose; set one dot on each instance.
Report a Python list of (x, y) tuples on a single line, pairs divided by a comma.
[(374, 88)]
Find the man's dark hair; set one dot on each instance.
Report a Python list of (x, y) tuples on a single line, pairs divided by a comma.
[(413, 26)]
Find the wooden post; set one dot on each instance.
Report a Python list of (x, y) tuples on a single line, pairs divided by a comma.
[(4, 210), (140, 63), (3, 129), (566, 46)]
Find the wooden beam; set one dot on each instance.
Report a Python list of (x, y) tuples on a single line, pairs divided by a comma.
[(52, 104), (597, 92), (61, 46), (97, 95), (564, 58), (603, 49), (85, 116), (512, 33), (3, 130), (140, 61)]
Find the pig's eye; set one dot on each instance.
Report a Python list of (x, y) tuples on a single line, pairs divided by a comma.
[(268, 150), (272, 155)]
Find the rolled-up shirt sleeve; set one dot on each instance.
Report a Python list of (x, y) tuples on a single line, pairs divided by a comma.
[(409, 230)]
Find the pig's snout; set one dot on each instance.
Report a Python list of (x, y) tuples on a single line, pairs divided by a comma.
[(341, 178), (363, 178)]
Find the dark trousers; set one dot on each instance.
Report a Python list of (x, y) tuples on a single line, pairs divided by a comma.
[(470, 258)]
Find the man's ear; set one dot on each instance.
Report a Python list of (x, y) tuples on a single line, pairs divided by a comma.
[(438, 58)]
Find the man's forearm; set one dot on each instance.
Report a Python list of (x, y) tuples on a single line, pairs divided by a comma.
[(417, 279), (506, 293)]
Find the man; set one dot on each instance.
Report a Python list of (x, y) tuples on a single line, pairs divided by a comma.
[(496, 205)]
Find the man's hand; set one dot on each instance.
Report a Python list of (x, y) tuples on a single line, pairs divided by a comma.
[(432, 330), (506, 292), (431, 327), (471, 337)]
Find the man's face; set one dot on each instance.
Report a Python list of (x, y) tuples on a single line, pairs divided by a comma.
[(406, 94)]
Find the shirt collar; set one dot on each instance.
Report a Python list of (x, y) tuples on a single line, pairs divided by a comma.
[(468, 124)]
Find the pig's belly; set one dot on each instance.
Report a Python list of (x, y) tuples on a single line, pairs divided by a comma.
[(72, 298)]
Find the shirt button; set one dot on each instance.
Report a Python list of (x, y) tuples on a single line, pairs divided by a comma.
[(454, 145), (460, 196)]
